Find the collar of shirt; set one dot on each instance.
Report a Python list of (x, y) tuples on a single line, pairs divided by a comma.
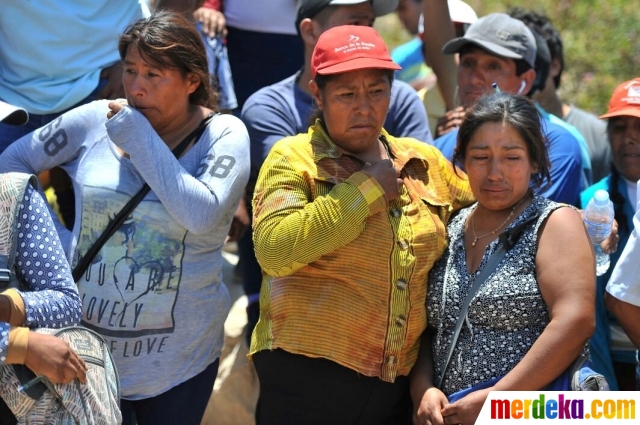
[(324, 147)]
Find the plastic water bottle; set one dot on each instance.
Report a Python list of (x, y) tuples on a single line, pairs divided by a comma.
[(598, 218)]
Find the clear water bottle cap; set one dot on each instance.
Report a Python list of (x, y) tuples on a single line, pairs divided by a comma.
[(601, 197)]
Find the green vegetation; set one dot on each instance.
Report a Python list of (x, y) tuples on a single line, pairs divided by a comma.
[(601, 42)]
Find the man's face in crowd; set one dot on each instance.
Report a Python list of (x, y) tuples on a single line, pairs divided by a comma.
[(624, 136), (479, 69), (357, 14)]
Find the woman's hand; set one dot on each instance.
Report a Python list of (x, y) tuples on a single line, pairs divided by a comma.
[(610, 245), (466, 410), (114, 88), (116, 106), (450, 121), (52, 357), (429, 411), (387, 176), (213, 22)]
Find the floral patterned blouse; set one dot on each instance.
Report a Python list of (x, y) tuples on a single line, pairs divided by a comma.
[(50, 297), (505, 317)]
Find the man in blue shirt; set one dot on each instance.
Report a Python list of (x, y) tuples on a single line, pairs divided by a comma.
[(502, 50), (283, 109)]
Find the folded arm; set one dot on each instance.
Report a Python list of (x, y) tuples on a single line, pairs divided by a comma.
[(198, 203), (291, 230)]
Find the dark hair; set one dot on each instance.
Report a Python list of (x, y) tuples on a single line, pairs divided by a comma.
[(519, 113), (321, 82), (322, 17), (614, 194), (543, 64), (618, 200), (542, 24), (169, 40), (522, 65)]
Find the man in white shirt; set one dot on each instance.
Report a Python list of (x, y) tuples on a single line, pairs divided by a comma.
[(623, 289)]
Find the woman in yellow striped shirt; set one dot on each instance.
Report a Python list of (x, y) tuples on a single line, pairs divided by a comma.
[(348, 221)]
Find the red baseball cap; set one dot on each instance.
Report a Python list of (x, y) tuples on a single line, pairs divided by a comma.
[(350, 48), (625, 100)]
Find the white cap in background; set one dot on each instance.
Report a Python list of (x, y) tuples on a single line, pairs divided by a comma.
[(460, 12), (13, 115)]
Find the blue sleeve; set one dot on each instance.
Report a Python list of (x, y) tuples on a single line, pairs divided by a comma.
[(566, 166), (197, 203), (407, 116), (566, 182), (52, 299), (447, 143), (267, 122), (62, 142)]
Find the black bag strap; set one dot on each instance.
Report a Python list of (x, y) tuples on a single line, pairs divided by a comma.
[(508, 238), (115, 223)]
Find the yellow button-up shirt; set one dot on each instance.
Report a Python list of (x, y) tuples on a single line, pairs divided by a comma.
[(345, 271)]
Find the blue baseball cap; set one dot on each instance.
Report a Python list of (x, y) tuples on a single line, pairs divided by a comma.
[(498, 34)]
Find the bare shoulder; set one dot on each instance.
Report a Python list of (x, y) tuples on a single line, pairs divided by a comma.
[(563, 231), (565, 264)]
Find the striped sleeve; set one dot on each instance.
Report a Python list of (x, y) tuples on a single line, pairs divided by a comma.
[(291, 230)]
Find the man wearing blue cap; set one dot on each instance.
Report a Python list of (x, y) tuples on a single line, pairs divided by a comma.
[(501, 50)]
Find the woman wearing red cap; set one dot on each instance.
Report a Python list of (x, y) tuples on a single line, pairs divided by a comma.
[(614, 355), (348, 221)]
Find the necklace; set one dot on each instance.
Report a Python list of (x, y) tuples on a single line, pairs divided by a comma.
[(493, 232)]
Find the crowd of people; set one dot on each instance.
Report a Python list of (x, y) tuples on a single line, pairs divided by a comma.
[(388, 207)]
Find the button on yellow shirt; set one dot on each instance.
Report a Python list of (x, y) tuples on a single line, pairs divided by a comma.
[(345, 271)]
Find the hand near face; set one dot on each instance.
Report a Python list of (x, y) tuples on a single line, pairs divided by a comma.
[(116, 106), (466, 410), (387, 176), (114, 88), (450, 121), (428, 412), (52, 357)]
